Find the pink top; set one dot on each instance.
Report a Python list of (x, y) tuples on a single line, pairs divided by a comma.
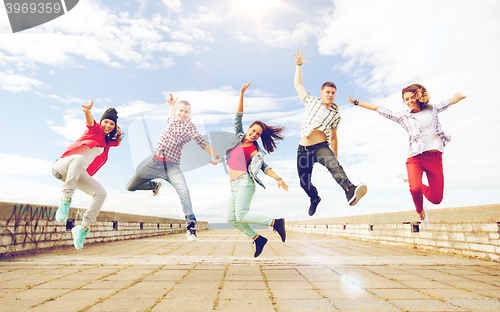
[(92, 137), (240, 156)]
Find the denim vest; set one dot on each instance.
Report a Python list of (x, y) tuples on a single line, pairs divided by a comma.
[(257, 163)]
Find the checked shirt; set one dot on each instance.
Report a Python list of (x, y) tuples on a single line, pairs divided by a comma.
[(412, 126), (175, 135), (319, 117)]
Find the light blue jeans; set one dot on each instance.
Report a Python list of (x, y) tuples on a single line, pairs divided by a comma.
[(170, 172), (237, 214)]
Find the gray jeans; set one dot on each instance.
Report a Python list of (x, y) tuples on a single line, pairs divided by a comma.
[(157, 169), (71, 171)]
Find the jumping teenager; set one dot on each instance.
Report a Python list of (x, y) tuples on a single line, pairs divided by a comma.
[(80, 162), (319, 142), (245, 159), (167, 158), (427, 141)]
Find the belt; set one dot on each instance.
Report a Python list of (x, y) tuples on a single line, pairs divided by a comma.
[(240, 176), (311, 147)]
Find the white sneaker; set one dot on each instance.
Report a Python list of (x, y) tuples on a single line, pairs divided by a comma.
[(425, 222), (191, 235)]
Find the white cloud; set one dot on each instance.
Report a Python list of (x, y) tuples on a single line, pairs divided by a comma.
[(106, 35), (18, 83), (174, 5), (22, 165), (73, 128)]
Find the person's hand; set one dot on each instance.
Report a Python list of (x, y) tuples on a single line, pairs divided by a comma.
[(244, 88), (282, 184), (298, 58), (350, 99), (171, 100), (87, 108), (459, 96), (216, 161)]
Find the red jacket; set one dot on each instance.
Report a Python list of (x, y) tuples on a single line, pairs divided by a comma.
[(92, 137)]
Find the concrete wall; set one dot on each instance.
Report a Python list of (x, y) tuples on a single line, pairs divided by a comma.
[(28, 228), (467, 231)]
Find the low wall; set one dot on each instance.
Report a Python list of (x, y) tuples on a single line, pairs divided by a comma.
[(27, 228), (467, 231)]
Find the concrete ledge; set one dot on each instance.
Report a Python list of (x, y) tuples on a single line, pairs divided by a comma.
[(467, 231), (27, 227)]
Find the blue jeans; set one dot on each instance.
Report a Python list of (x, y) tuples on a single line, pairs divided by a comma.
[(170, 172), (320, 153), (237, 214)]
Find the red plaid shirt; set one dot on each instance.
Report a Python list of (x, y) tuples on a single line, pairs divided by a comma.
[(175, 135)]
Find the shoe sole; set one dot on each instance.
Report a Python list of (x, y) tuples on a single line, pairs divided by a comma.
[(358, 194), (61, 220), (190, 238)]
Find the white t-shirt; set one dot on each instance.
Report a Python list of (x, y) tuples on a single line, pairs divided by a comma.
[(431, 141), (89, 154)]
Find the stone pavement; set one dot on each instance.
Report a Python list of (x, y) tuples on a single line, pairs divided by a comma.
[(219, 273)]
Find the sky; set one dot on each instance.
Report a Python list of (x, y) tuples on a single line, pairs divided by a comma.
[(132, 54)]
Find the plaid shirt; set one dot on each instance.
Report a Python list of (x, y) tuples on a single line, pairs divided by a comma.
[(319, 117), (175, 135), (412, 126)]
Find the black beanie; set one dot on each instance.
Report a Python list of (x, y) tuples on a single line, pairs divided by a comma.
[(110, 114)]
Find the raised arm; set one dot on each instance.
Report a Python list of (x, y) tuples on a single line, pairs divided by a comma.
[(89, 119), (171, 102), (363, 104), (457, 97), (242, 94), (297, 82)]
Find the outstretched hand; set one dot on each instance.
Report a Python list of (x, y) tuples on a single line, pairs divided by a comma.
[(244, 88), (87, 108), (216, 161), (298, 58), (459, 96), (282, 184), (171, 100), (350, 99)]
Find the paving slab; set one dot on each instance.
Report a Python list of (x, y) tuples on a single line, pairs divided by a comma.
[(219, 273)]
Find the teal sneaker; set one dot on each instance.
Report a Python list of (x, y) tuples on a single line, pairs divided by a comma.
[(79, 236), (62, 211)]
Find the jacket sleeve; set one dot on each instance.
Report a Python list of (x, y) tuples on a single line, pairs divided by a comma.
[(387, 113), (442, 106), (238, 123)]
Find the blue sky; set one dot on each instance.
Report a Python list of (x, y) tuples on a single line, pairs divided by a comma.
[(132, 54)]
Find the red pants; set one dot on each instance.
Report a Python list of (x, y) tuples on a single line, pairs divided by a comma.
[(432, 164)]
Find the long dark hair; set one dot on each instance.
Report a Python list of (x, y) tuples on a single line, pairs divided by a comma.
[(270, 135), (420, 94), (113, 136)]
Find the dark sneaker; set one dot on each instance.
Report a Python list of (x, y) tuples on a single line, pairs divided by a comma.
[(355, 193), (191, 232), (314, 205), (157, 188), (279, 226), (260, 242), (62, 211)]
